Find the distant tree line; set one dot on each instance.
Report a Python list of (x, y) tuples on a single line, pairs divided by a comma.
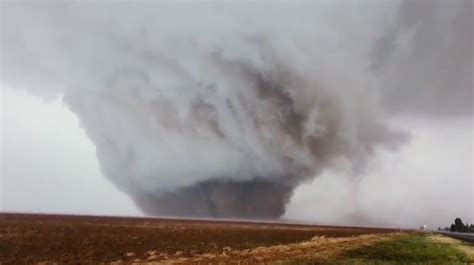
[(459, 226)]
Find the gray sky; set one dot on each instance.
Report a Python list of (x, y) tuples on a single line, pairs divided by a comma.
[(104, 102), (48, 163)]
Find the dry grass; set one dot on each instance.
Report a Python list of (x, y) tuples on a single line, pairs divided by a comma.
[(319, 250)]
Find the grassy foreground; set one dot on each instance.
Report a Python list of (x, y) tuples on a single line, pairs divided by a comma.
[(413, 249)]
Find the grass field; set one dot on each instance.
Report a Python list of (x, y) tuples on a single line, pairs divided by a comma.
[(413, 249), (33, 239)]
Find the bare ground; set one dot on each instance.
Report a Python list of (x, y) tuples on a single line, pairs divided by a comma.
[(27, 239)]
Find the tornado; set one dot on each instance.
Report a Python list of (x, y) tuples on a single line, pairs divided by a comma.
[(211, 109)]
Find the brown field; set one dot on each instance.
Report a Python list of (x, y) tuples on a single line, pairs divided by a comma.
[(26, 239)]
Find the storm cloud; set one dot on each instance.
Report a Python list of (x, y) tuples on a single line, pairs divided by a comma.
[(222, 110)]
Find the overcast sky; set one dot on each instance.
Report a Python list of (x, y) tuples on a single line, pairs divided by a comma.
[(79, 107), (48, 163)]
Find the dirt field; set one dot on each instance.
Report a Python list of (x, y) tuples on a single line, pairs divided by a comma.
[(85, 239)]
